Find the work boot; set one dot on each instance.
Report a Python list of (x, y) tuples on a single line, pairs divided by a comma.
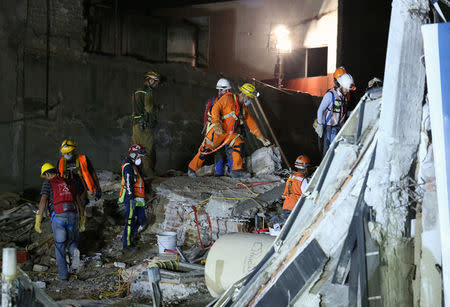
[(240, 174), (191, 173), (76, 260)]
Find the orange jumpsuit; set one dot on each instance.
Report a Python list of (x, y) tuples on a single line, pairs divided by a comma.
[(231, 114), (293, 190)]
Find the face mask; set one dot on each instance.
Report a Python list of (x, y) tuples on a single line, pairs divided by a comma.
[(138, 161), (248, 102), (68, 156)]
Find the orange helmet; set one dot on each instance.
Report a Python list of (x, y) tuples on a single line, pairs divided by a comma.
[(302, 162), (339, 72)]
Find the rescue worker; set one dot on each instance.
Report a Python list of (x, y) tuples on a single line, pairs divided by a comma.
[(295, 185), (223, 86), (78, 167), (132, 195), (59, 197), (227, 116), (332, 111), (145, 120)]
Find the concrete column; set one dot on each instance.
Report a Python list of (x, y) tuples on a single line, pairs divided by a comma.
[(398, 140)]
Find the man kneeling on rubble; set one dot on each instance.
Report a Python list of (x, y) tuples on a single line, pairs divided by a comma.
[(60, 198), (227, 118), (295, 185), (132, 195)]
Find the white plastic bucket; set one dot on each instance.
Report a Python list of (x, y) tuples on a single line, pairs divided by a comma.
[(167, 240)]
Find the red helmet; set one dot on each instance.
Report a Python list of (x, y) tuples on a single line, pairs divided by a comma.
[(136, 150), (302, 162)]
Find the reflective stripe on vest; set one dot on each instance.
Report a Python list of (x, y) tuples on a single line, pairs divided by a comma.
[(139, 186), (83, 171)]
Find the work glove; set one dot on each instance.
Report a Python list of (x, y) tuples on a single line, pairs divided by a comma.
[(82, 225), (140, 202), (319, 130), (263, 140), (218, 129), (98, 194), (37, 224)]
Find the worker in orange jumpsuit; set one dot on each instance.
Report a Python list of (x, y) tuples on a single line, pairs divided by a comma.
[(295, 185), (227, 116)]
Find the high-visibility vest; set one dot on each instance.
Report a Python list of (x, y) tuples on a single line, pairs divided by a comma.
[(293, 190), (82, 169), (63, 199), (139, 185)]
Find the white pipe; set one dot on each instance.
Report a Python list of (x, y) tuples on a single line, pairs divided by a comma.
[(9, 272)]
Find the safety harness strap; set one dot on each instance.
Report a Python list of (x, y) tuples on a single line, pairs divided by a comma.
[(234, 140), (65, 225)]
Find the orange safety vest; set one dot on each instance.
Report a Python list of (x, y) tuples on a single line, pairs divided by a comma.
[(83, 171), (139, 185), (293, 190)]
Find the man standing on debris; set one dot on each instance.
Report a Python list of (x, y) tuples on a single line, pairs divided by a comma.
[(144, 119), (78, 167), (332, 111), (59, 197), (295, 185), (132, 195), (227, 117), (223, 86)]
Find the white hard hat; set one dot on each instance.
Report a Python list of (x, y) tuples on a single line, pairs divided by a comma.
[(346, 81), (223, 84)]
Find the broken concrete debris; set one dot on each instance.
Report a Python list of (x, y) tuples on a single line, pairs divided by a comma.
[(198, 211), (39, 268), (266, 160)]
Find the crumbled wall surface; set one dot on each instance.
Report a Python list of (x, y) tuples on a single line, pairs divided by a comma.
[(214, 198)]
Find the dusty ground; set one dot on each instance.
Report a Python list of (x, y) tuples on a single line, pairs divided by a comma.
[(99, 281)]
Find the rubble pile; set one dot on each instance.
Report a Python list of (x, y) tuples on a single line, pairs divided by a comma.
[(202, 209), (199, 210)]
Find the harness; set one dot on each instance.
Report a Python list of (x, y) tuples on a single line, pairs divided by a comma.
[(288, 191), (63, 224), (81, 168), (238, 118), (337, 111)]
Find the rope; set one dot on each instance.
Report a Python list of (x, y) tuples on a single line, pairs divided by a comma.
[(198, 228), (247, 187), (225, 142)]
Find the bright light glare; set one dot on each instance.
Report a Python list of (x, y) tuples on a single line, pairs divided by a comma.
[(281, 31), (283, 44)]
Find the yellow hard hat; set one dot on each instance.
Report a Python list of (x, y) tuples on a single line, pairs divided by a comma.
[(152, 75), (249, 90), (46, 167), (68, 146)]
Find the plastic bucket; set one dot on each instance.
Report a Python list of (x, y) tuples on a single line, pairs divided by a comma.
[(167, 240)]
